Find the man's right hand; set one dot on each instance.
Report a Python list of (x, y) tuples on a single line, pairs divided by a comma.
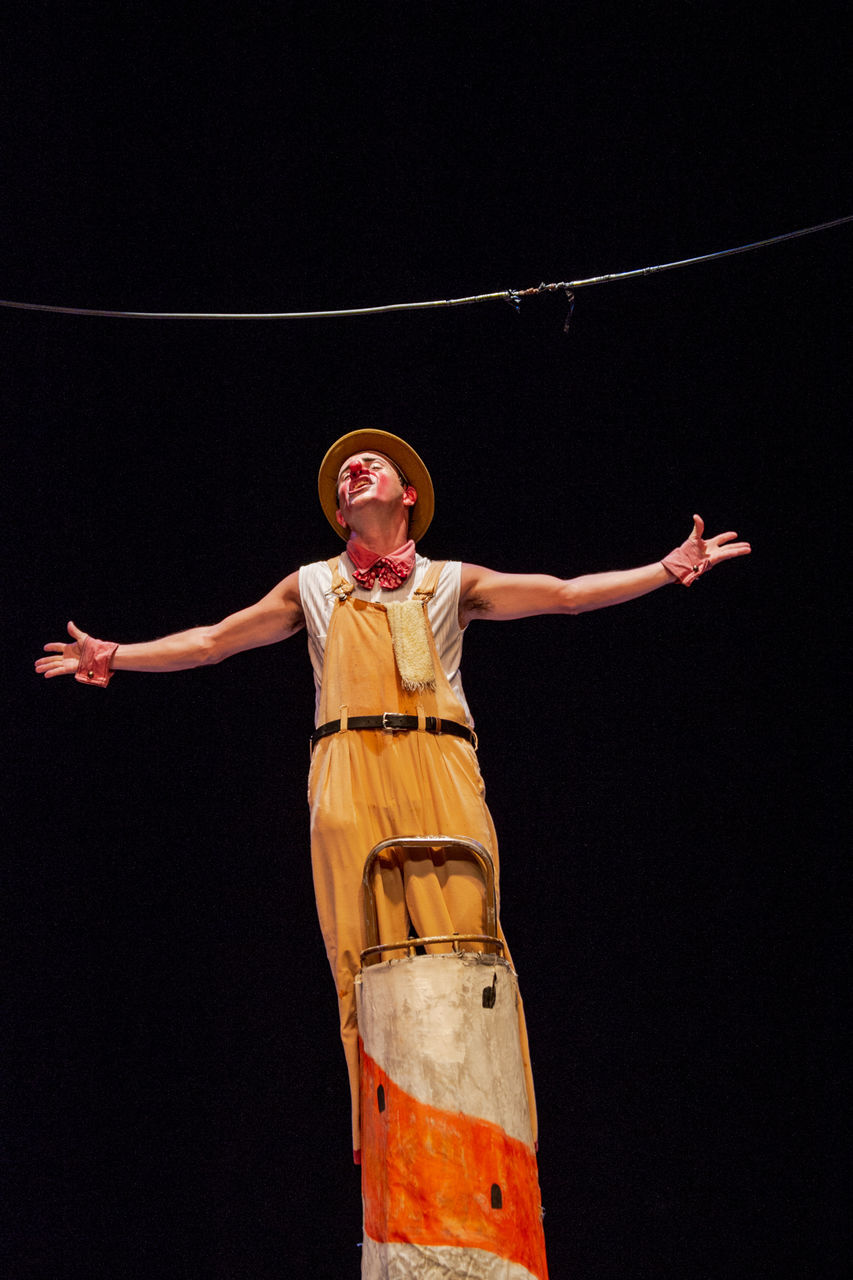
[(275, 617), (63, 659)]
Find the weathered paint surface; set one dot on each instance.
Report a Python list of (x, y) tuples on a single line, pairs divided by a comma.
[(424, 1020), (449, 1174), (429, 1178), (431, 1262)]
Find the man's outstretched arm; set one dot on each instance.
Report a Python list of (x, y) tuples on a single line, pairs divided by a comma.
[(275, 617), (502, 596)]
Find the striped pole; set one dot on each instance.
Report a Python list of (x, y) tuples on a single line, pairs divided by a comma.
[(449, 1177)]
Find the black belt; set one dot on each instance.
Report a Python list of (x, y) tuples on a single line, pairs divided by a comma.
[(395, 722)]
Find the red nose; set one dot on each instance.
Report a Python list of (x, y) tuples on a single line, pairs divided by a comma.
[(355, 470)]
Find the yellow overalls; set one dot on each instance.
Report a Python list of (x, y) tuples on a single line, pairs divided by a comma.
[(368, 785)]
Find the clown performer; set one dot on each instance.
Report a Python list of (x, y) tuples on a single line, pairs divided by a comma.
[(394, 749)]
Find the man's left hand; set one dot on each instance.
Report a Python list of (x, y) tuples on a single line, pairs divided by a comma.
[(698, 554)]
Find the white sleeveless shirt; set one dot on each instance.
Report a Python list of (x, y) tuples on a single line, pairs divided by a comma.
[(315, 582)]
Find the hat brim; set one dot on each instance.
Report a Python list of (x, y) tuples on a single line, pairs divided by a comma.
[(399, 452)]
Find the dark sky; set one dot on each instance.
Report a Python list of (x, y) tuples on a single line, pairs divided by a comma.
[(665, 777)]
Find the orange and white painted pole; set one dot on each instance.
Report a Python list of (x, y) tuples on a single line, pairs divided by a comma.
[(449, 1175)]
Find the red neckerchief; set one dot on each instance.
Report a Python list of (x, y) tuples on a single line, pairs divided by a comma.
[(391, 570)]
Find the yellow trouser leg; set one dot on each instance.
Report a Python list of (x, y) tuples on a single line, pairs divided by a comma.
[(368, 787)]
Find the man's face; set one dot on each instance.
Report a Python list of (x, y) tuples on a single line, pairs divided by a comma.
[(370, 478)]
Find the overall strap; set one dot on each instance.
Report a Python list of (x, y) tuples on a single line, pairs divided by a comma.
[(428, 587), (340, 586)]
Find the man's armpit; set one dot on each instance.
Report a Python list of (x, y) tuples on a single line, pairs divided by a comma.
[(478, 604)]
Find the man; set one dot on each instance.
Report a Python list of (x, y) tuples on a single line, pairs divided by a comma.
[(394, 752)]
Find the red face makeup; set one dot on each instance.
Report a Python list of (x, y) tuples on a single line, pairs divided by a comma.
[(367, 473)]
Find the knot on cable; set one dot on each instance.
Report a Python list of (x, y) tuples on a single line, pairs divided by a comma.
[(514, 296)]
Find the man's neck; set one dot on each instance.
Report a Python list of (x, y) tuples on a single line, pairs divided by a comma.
[(380, 539)]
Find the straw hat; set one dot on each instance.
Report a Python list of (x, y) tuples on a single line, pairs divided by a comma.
[(400, 453)]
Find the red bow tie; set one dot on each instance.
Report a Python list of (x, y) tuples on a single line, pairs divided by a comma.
[(391, 570)]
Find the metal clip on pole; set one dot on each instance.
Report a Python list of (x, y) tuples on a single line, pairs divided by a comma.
[(492, 944)]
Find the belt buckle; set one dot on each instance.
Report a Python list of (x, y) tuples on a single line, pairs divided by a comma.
[(390, 728)]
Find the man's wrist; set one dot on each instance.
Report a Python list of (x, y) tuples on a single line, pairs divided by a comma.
[(95, 665), (686, 563)]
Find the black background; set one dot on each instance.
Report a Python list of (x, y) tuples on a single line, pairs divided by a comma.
[(665, 777)]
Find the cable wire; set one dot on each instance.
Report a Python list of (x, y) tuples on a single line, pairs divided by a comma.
[(512, 296)]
